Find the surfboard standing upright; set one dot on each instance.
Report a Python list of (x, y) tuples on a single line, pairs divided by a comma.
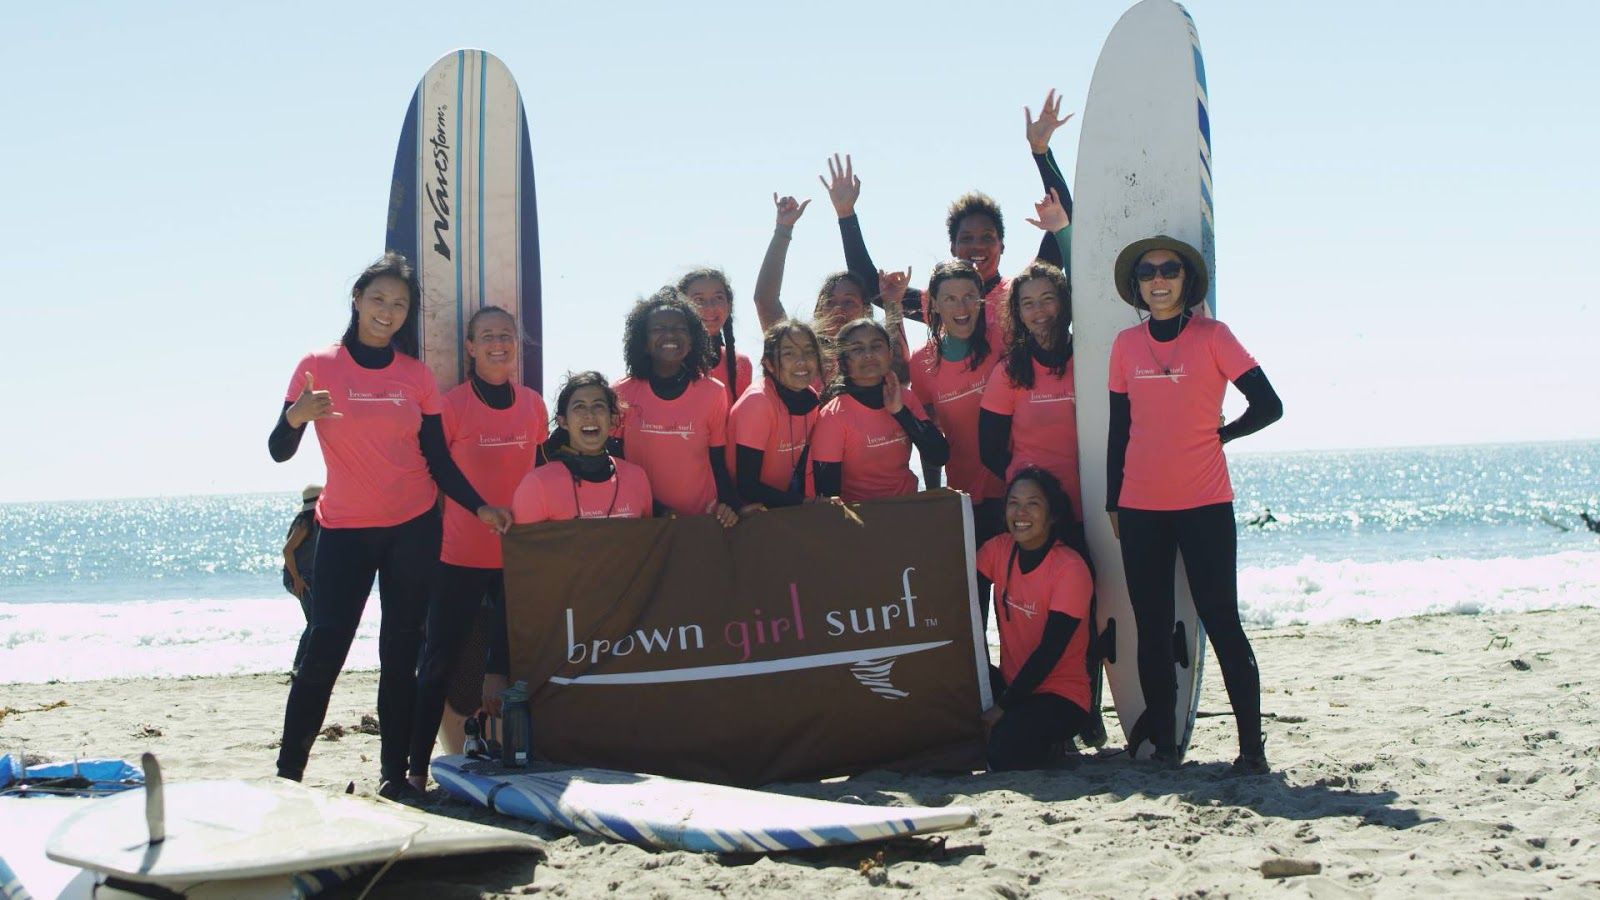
[(1144, 168), (462, 209)]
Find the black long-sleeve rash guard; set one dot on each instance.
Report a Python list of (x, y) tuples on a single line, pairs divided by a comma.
[(285, 438), (1265, 407), (859, 262), (1058, 631)]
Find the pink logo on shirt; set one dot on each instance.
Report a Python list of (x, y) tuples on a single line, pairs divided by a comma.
[(958, 393), (683, 430), (397, 396), (885, 440), (1143, 374), (519, 440), (1048, 397), (1026, 609)]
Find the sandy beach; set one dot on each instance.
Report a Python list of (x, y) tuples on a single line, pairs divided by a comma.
[(1413, 757)]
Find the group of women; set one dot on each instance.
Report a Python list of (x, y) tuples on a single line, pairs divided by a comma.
[(988, 401)]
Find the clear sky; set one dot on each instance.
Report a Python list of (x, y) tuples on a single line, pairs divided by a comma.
[(1405, 196)]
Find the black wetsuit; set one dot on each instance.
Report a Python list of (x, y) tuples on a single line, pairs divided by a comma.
[(859, 262), (402, 558), (1208, 539)]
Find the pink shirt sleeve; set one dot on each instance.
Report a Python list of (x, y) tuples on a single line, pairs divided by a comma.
[(428, 396), (749, 424), (718, 424), (1232, 359), (1073, 587), (986, 555), (1116, 379), (297, 382), (998, 395), (827, 441), (527, 504)]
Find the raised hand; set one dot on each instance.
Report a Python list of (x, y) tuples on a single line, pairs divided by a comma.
[(789, 212), (1050, 118), (843, 186), (893, 399), (892, 287), (1052, 215), (310, 406)]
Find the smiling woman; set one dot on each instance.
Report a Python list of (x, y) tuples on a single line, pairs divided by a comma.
[(377, 412)]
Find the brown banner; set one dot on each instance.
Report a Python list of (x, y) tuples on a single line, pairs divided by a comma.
[(799, 644)]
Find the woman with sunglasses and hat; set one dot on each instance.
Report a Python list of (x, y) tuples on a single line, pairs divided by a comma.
[(1167, 486)]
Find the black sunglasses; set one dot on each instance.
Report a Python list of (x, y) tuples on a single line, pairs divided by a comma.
[(1147, 271)]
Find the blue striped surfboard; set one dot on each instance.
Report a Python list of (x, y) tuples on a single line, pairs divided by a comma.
[(462, 208), (669, 814)]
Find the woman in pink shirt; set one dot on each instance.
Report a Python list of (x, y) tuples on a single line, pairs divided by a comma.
[(711, 296), (771, 426), (494, 428), (377, 412), (1044, 590), (1167, 486), (861, 447), (674, 418)]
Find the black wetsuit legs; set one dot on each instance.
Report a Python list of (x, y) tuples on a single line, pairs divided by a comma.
[(401, 558), (1023, 736), (1209, 543), (459, 595)]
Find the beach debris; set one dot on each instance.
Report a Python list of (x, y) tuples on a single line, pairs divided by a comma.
[(369, 724), (874, 869), (1521, 665), (146, 730), (1284, 867), (16, 711), (332, 732), (1502, 641)]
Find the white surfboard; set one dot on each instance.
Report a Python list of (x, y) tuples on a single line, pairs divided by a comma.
[(1144, 168), (236, 831), (671, 814)]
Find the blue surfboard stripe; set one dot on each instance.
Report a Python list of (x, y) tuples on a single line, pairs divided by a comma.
[(483, 106), (529, 283), (400, 234)]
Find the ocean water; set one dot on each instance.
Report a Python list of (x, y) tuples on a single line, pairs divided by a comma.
[(191, 585)]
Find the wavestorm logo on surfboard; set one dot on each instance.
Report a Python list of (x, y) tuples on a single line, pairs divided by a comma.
[(438, 191), (763, 642)]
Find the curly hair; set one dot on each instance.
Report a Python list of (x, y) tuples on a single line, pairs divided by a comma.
[(722, 342), (391, 264), (954, 270), (970, 203), (1019, 353), (636, 334)]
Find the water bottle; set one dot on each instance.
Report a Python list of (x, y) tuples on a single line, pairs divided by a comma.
[(516, 726)]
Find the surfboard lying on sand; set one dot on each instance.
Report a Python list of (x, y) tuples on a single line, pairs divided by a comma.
[(1144, 168), (670, 814), (253, 838), (462, 209)]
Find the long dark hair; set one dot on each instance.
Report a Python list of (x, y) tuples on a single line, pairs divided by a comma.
[(841, 372), (636, 334), (390, 265), (721, 342), (1019, 353), (978, 344)]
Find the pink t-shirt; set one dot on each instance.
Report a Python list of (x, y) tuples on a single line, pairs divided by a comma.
[(670, 440), (742, 368), (956, 391), (874, 450), (996, 317), (494, 448), (760, 421), (376, 473), (1175, 393), (1024, 601), (1044, 425), (551, 494)]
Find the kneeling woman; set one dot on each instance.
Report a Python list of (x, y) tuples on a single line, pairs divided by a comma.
[(675, 419), (1042, 590), (861, 448), (580, 481), (494, 428), (1167, 487)]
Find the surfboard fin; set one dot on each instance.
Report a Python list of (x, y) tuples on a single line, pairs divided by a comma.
[(1105, 645), (155, 807), (1180, 644)]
